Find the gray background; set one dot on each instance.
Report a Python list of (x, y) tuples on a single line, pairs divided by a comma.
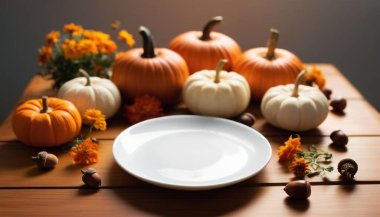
[(342, 32)]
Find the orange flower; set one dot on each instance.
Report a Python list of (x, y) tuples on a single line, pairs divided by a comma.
[(85, 153), (93, 114), (120, 55), (145, 107), (52, 37), (115, 24), (100, 124), (45, 54), (126, 37), (71, 28), (315, 76), (86, 47), (69, 49), (299, 167), (291, 147)]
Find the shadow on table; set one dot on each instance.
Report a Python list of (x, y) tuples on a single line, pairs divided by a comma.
[(300, 205)]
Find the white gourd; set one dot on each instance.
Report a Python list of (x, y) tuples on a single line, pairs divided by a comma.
[(216, 92), (295, 107), (92, 93)]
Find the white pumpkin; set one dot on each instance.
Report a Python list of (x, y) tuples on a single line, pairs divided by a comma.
[(216, 93), (295, 107), (92, 93)]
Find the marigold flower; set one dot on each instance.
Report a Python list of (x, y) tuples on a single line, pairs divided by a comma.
[(299, 167), (115, 24), (93, 114), (85, 153), (126, 37), (69, 49), (86, 47), (45, 54), (71, 28), (145, 107), (100, 124), (315, 76), (291, 147), (52, 37)]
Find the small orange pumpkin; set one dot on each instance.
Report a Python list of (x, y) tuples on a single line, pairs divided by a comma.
[(46, 122), (203, 50), (267, 67), (158, 72)]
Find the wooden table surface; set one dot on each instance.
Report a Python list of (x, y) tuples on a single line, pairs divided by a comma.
[(27, 191)]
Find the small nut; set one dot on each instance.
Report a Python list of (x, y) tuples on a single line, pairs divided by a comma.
[(299, 189), (45, 160), (339, 104), (339, 138), (327, 92), (91, 178), (347, 169), (247, 119)]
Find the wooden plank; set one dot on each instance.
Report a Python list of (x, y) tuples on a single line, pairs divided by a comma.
[(348, 201), (18, 170)]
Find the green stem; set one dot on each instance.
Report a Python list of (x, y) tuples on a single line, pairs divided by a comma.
[(148, 45), (86, 75), (272, 43), (209, 27), (219, 67), (45, 107), (297, 83)]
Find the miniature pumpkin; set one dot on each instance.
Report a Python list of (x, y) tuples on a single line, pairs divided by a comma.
[(92, 93), (158, 72), (267, 67), (295, 107), (216, 92), (203, 50), (46, 122)]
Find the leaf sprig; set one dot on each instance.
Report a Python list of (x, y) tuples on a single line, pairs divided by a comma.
[(314, 157)]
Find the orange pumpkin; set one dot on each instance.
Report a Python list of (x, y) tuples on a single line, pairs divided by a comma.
[(203, 49), (46, 122), (267, 67), (159, 72)]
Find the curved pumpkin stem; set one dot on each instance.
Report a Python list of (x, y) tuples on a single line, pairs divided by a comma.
[(297, 82), (219, 68), (148, 45), (45, 107), (86, 75), (272, 43), (209, 27)]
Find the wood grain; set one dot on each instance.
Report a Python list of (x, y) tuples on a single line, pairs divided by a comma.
[(20, 171), (348, 201)]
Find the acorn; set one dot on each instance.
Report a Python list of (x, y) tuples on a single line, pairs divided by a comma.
[(339, 138), (347, 169), (299, 189), (247, 119), (327, 92), (45, 160), (339, 104), (91, 178)]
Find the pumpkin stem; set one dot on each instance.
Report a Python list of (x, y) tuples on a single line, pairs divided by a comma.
[(297, 82), (148, 45), (209, 27), (219, 68), (272, 43), (86, 75), (45, 107)]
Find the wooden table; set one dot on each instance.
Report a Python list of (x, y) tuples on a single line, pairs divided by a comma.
[(27, 191)]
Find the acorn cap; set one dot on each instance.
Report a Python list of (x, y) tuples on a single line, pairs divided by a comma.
[(347, 168)]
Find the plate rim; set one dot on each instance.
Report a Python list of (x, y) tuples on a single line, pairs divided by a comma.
[(191, 187)]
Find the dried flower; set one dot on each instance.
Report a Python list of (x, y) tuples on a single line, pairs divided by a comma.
[(144, 107), (126, 37), (315, 76), (85, 153), (92, 115), (291, 147), (100, 124), (45, 54), (299, 167)]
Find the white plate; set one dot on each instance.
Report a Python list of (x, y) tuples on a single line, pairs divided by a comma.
[(191, 152)]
